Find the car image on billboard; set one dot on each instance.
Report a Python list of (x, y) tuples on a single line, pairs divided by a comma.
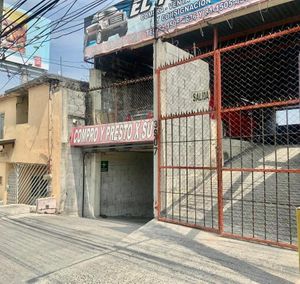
[(105, 24)]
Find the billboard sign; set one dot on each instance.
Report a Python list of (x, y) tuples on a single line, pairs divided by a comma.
[(113, 133), (131, 22), (25, 45)]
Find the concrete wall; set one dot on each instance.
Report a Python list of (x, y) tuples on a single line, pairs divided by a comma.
[(70, 201), (95, 81), (73, 109), (87, 180), (55, 119), (127, 187)]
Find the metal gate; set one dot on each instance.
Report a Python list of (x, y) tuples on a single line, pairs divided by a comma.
[(229, 146), (26, 183)]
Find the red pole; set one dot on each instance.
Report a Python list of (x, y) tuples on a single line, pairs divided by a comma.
[(218, 106), (158, 207)]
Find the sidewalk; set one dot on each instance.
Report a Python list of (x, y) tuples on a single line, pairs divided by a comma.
[(166, 253)]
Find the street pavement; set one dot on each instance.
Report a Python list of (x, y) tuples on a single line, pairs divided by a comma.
[(63, 249)]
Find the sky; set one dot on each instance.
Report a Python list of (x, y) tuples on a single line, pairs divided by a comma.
[(69, 47)]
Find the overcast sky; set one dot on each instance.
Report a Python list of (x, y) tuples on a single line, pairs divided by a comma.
[(69, 47)]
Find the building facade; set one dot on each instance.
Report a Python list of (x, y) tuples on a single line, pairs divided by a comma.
[(35, 156), (224, 106)]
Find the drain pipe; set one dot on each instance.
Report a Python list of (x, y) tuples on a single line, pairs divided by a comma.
[(83, 183)]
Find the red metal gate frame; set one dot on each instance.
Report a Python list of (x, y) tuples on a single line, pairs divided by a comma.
[(220, 198), (217, 53), (259, 106)]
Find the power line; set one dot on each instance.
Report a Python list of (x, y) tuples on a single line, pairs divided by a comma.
[(57, 29), (44, 11), (72, 16), (77, 12), (52, 31), (25, 32), (25, 21), (12, 26), (74, 2), (87, 8), (12, 10)]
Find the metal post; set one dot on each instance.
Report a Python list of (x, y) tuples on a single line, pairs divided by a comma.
[(298, 231), (156, 108), (83, 183), (218, 106)]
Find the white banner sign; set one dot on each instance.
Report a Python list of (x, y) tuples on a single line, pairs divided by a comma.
[(113, 133), (131, 22)]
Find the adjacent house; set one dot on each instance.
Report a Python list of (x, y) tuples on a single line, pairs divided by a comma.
[(35, 119)]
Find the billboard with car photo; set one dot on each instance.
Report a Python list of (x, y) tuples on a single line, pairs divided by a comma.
[(131, 22)]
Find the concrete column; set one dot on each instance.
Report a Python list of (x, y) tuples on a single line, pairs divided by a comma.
[(92, 185), (95, 82), (92, 160), (164, 53), (95, 78)]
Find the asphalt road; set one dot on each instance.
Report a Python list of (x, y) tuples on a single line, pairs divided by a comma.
[(62, 249)]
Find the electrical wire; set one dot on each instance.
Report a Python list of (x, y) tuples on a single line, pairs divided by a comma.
[(76, 13), (74, 2), (41, 35), (61, 35), (12, 24), (12, 9), (26, 31), (26, 20), (56, 29), (44, 11)]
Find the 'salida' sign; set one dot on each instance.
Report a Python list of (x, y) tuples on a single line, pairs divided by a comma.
[(113, 133)]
